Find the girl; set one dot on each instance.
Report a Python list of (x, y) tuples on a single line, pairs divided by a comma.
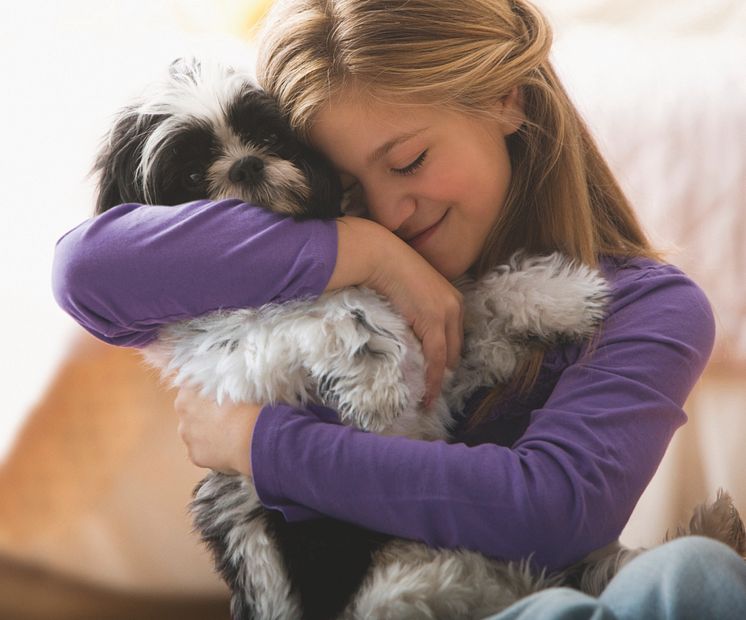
[(463, 146)]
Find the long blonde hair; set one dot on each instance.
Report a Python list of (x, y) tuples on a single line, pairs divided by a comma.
[(463, 55)]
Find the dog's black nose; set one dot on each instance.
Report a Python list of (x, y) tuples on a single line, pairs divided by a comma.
[(247, 169)]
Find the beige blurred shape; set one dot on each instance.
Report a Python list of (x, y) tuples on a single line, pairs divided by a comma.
[(97, 483)]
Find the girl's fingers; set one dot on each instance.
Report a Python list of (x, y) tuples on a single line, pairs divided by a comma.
[(441, 344), (431, 305), (216, 436)]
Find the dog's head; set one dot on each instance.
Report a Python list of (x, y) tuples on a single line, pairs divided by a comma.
[(208, 131)]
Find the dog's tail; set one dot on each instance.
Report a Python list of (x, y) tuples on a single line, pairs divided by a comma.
[(719, 520)]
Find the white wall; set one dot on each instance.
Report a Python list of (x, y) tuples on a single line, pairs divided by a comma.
[(66, 67)]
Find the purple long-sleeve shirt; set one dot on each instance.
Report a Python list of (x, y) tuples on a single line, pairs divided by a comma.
[(555, 473)]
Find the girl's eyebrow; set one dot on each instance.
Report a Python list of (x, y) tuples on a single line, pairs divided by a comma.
[(386, 147)]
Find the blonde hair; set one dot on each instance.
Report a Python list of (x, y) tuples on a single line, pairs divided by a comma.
[(463, 55)]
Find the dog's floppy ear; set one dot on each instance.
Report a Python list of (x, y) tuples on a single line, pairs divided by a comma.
[(326, 189), (117, 161)]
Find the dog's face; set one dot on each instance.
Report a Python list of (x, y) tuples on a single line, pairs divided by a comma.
[(208, 131)]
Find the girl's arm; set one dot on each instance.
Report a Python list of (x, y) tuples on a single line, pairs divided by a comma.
[(565, 488), (127, 272)]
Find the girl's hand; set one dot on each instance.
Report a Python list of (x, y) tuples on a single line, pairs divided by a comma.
[(217, 436), (433, 308), (370, 255)]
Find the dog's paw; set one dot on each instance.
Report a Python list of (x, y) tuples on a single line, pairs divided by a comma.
[(359, 354), (539, 298), (368, 388)]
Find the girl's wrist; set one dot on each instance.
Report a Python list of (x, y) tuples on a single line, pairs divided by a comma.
[(363, 250)]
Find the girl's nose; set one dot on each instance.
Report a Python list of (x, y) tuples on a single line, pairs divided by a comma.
[(389, 209)]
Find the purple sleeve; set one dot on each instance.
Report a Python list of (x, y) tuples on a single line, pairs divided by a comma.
[(125, 273), (565, 488)]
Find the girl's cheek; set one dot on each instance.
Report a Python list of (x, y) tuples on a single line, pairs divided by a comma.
[(440, 181)]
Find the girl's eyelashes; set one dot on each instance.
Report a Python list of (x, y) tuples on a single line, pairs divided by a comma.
[(411, 168)]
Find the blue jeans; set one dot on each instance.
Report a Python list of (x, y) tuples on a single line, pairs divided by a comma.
[(688, 578)]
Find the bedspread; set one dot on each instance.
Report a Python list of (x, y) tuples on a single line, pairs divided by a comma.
[(664, 90)]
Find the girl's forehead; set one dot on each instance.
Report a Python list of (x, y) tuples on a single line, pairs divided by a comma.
[(374, 124), (379, 111), (356, 135), (370, 110)]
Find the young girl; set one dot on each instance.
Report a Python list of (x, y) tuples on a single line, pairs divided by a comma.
[(464, 148)]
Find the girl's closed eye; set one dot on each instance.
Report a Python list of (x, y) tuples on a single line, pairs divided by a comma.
[(411, 168)]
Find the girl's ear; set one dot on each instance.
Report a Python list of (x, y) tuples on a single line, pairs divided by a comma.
[(510, 110)]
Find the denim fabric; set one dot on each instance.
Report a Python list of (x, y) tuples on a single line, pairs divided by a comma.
[(691, 578)]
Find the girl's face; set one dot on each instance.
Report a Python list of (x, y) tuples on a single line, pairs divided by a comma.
[(434, 177)]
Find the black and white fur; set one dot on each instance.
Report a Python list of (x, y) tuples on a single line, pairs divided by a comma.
[(209, 131)]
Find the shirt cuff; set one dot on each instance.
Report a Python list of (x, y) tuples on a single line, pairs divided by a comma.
[(265, 457)]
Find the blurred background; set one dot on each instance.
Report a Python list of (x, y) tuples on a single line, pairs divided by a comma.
[(93, 481)]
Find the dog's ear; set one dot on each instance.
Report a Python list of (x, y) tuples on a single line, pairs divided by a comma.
[(325, 201), (118, 159)]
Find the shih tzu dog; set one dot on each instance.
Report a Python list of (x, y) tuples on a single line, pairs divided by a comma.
[(208, 131)]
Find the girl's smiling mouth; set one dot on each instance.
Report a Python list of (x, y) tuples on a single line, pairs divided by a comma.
[(423, 236)]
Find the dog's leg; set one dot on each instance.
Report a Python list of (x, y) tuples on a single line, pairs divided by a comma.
[(548, 298), (531, 300), (349, 349), (238, 531)]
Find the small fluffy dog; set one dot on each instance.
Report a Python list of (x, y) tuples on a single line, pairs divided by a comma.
[(209, 131)]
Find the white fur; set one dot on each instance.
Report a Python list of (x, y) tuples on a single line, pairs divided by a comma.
[(350, 350), (532, 298), (410, 580)]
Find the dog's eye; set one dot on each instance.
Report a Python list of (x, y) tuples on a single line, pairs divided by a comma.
[(193, 179), (270, 139)]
